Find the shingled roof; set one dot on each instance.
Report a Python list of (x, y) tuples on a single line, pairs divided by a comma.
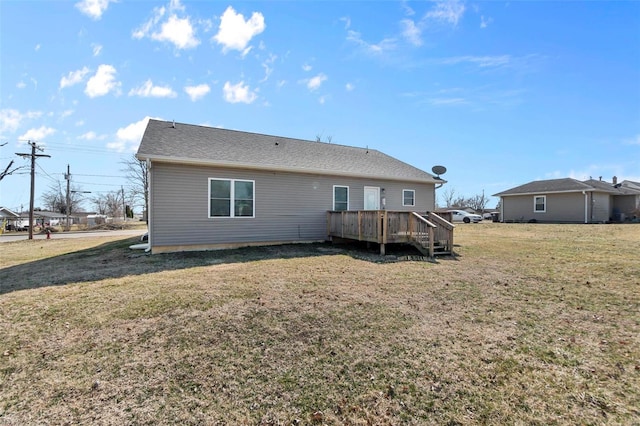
[(191, 144), (566, 185)]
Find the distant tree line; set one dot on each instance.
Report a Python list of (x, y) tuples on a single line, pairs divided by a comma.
[(116, 203), (452, 200)]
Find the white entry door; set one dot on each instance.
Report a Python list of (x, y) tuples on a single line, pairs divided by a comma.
[(371, 198)]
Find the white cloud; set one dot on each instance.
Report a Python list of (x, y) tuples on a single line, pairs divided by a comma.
[(349, 87), (306, 67), (37, 47), (268, 67), (66, 113), (11, 119), (385, 45), (347, 22), (235, 33), (103, 82), (449, 12), (484, 22), (128, 138), (411, 32), (314, 83), (178, 31), (448, 101), (633, 141), (148, 90), (89, 136), (93, 8), (21, 85), (37, 134), (74, 77), (235, 93), (97, 48), (481, 61), (197, 92)]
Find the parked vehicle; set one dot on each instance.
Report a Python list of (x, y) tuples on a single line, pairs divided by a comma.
[(466, 217)]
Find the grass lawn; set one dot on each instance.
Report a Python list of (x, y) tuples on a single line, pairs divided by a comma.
[(530, 324)]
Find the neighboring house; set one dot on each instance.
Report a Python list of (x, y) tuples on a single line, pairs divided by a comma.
[(216, 188), (8, 219), (569, 201)]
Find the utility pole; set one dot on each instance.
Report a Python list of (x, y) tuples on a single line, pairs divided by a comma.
[(33, 156), (68, 205)]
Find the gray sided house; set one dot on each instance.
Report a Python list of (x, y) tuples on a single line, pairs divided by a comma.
[(568, 201), (214, 188)]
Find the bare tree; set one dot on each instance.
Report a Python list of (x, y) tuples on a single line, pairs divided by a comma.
[(448, 196), (109, 204), (477, 202), (9, 170), (55, 199), (138, 174)]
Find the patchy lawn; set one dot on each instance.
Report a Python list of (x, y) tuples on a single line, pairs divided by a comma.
[(536, 324)]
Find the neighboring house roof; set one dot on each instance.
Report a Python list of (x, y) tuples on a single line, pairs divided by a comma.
[(547, 186), (566, 185), (44, 214), (630, 184), (5, 212), (191, 144)]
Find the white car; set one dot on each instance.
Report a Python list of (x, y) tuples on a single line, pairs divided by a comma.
[(463, 216)]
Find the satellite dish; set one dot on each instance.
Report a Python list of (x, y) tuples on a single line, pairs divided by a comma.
[(439, 170)]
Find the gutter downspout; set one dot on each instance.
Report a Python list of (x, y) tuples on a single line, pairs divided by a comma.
[(435, 197), (148, 195), (586, 206)]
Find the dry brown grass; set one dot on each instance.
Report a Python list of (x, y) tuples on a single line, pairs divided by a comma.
[(531, 324)]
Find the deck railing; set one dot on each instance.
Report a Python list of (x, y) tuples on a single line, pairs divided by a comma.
[(388, 227), (443, 232)]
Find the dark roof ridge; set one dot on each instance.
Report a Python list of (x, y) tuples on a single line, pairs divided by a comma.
[(175, 123)]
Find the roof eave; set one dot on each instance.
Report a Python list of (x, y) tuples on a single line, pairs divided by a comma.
[(568, 191), (228, 164)]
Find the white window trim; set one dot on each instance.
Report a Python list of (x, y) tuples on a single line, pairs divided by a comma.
[(232, 209), (333, 195), (414, 198), (544, 201)]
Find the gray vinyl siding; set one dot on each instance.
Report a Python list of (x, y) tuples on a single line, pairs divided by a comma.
[(601, 207), (565, 207), (288, 206)]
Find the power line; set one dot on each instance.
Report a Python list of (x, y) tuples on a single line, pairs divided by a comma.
[(33, 156)]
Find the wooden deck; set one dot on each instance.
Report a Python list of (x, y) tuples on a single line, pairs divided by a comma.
[(428, 232)]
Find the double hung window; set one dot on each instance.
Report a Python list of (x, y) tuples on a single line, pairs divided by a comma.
[(408, 197), (231, 198), (340, 198)]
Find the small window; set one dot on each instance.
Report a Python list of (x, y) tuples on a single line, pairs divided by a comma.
[(340, 198), (408, 197), (231, 198), (540, 204)]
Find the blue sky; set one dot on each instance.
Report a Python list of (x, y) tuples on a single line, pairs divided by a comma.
[(501, 93)]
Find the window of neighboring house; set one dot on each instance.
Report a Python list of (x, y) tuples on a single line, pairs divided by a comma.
[(540, 204), (408, 197), (340, 198), (231, 198)]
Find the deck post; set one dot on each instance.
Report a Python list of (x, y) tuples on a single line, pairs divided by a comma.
[(342, 223), (431, 238), (360, 225)]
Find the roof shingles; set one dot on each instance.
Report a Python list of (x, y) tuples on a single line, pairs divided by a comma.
[(188, 143)]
